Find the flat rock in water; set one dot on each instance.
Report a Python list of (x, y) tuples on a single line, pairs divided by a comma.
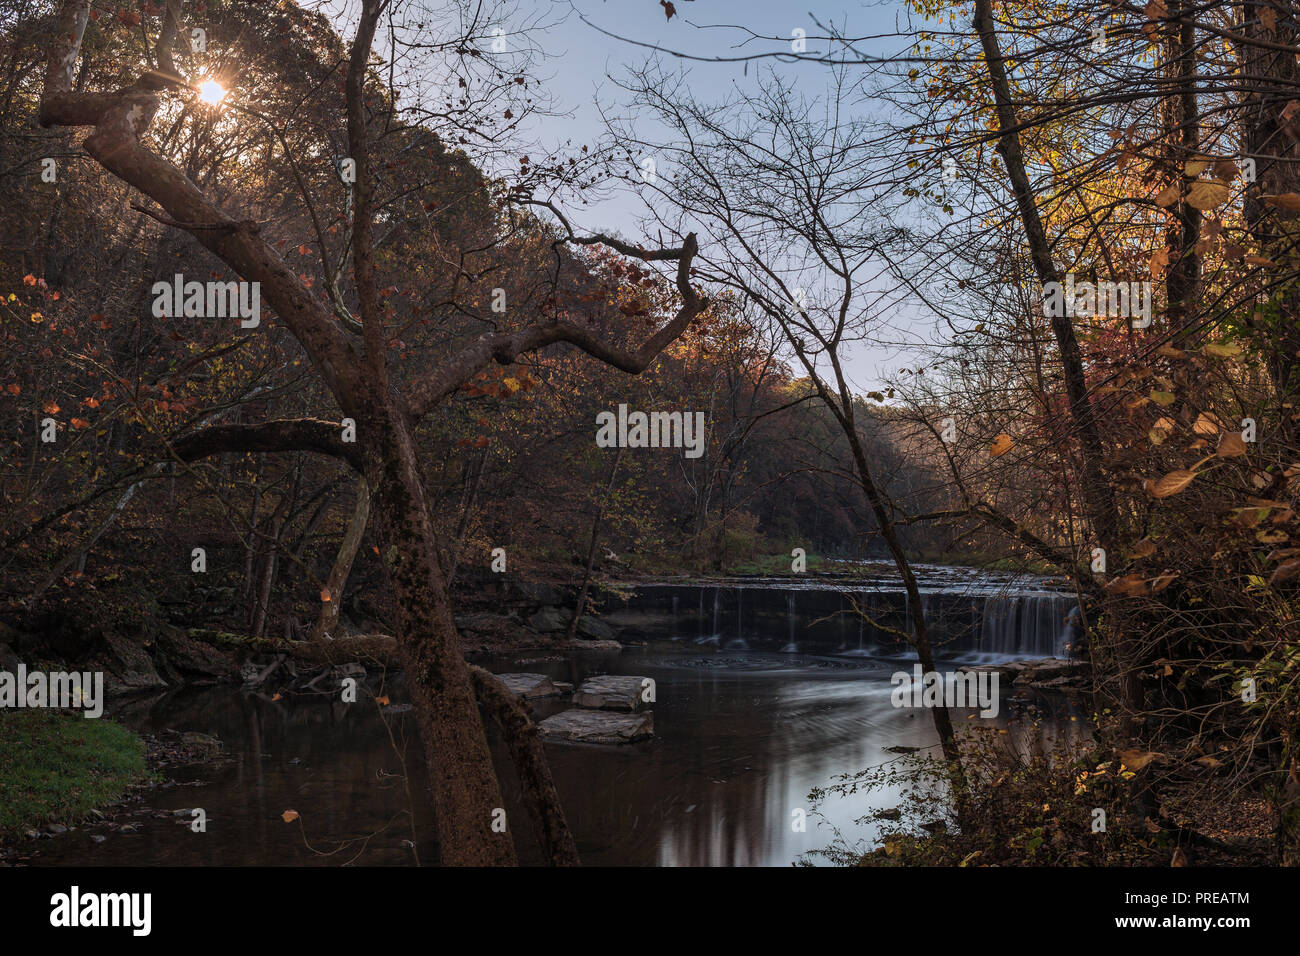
[(611, 693), (530, 686), (596, 727)]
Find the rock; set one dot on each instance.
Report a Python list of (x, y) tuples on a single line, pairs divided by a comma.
[(530, 686), (1038, 672), (549, 619), (596, 727), (1006, 672), (563, 686), (489, 624), (97, 838), (595, 646), (32, 834), (611, 693), (536, 592), (126, 666), (56, 828), (204, 746), (8, 659), (181, 657), (595, 628)]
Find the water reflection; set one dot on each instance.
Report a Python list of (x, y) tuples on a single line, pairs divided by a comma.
[(741, 739)]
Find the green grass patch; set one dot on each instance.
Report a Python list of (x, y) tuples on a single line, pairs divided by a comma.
[(55, 767)]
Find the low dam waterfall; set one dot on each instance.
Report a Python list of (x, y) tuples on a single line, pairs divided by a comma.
[(971, 620)]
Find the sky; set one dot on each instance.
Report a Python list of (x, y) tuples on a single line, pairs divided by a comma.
[(582, 59)]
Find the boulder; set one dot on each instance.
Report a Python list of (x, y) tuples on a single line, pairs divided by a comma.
[(549, 619), (595, 629), (529, 686), (1051, 669), (126, 666), (596, 727), (539, 593), (611, 693), (181, 656)]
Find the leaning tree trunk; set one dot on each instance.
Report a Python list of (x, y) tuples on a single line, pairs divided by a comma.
[(465, 789), (338, 579)]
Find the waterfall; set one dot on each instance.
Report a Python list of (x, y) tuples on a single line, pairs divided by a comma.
[(790, 646), (739, 642)]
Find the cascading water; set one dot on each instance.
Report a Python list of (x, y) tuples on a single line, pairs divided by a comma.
[(791, 647), (971, 616)]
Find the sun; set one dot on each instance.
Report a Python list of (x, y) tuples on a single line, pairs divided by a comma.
[(211, 92)]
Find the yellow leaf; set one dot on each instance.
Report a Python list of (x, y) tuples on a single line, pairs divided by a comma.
[(1205, 194), (289, 816), (1194, 167), (1221, 349), (1208, 762), (1001, 445), (1163, 399), (1135, 760)]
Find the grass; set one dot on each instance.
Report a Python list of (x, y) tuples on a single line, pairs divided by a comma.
[(56, 767)]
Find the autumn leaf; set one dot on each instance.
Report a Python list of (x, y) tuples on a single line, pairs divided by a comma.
[(1194, 167), (1225, 169), (1169, 195), (275, 696), (669, 10), (1170, 484), (1264, 261), (1206, 424), (1130, 585), (1289, 201), (1156, 10), (1221, 349), (1169, 351), (1163, 399), (51, 408), (1158, 262), (289, 816), (15, 388), (1161, 430), (1144, 548), (1135, 760), (1231, 445), (1285, 571), (1001, 445), (1162, 581), (80, 423), (1205, 194), (382, 701)]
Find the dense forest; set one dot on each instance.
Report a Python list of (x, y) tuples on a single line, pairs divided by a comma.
[(1091, 210)]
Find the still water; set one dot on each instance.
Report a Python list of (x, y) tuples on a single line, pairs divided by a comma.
[(741, 737)]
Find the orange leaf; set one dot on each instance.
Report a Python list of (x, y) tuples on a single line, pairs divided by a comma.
[(289, 816), (1001, 445), (51, 408), (80, 423), (15, 388), (382, 701), (325, 594), (1170, 484), (276, 697)]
